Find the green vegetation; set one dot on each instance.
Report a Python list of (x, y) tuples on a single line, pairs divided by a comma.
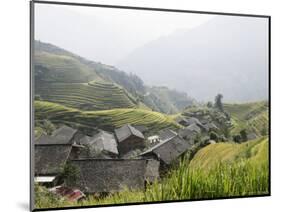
[(104, 119), (166, 100), (250, 116), (96, 95), (218, 170), (211, 155), (61, 68)]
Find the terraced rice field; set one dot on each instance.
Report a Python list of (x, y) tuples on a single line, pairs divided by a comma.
[(255, 151), (105, 119), (86, 96), (253, 116)]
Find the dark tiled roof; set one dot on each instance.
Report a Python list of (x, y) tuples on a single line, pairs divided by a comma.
[(109, 175), (64, 134), (45, 139), (166, 134), (169, 150), (194, 120), (181, 119), (50, 159), (194, 128), (103, 141), (141, 128), (126, 131), (211, 126), (186, 133)]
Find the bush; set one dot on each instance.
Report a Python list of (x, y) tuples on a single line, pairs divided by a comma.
[(243, 134), (237, 138), (214, 136)]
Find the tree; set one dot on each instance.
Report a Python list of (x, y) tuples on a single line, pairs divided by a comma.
[(226, 131), (218, 102), (243, 134), (69, 174), (237, 138), (209, 104), (214, 136)]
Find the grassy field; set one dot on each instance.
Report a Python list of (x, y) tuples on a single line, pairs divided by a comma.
[(253, 116), (218, 170), (104, 119), (95, 95)]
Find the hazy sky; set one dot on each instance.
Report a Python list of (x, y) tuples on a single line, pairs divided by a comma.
[(107, 35)]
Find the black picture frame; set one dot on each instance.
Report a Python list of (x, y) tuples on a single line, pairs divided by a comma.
[(31, 107)]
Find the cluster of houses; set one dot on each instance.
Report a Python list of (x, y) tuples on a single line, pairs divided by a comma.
[(109, 162)]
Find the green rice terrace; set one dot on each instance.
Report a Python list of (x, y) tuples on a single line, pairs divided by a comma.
[(95, 95), (104, 119), (249, 115)]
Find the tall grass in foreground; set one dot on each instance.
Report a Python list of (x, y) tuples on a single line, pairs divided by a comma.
[(242, 178)]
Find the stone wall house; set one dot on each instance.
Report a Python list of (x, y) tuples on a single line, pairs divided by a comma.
[(129, 138)]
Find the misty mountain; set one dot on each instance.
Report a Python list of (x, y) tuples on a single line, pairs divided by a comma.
[(226, 54)]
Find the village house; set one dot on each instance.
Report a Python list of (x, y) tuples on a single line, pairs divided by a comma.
[(101, 145), (143, 129), (49, 161), (167, 151), (166, 133), (193, 120), (64, 135), (188, 133), (108, 175), (129, 138), (210, 126), (182, 121)]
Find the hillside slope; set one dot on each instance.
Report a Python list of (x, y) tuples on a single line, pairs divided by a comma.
[(63, 77), (251, 116), (104, 119), (209, 157), (95, 95)]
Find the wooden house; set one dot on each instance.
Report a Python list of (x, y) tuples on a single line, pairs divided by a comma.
[(167, 151), (49, 161), (128, 139), (101, 145), (165, 134)]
